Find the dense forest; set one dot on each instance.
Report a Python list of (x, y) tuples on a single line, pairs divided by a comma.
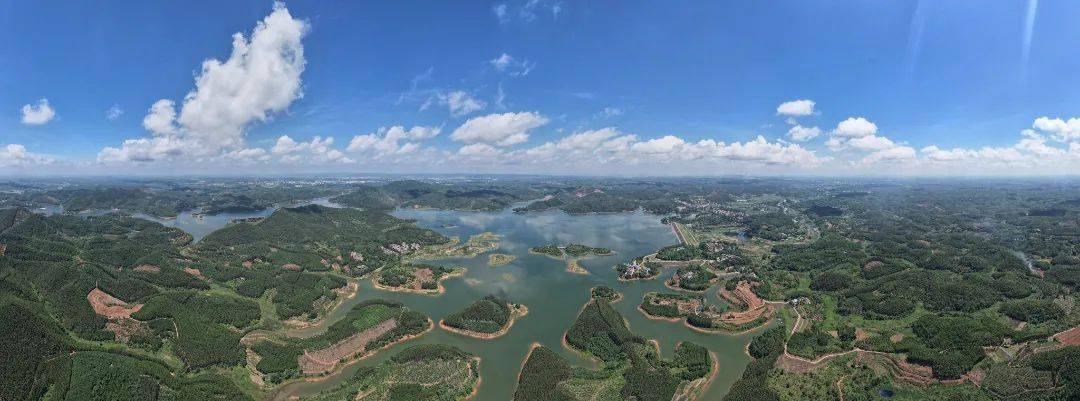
[(924, 289)]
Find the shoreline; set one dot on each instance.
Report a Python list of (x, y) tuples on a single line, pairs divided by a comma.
[(661, 318), (712, 376), (458, 272), (515, 314), (703, 330), (340, 367), (292, 324), (667, 283), (618, 297), (479, 379), (500, 259), (572, 266)]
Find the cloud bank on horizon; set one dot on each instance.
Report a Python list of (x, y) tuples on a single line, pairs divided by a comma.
[(262, 78)]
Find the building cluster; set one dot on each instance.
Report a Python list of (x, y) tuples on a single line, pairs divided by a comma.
[(399, 249)]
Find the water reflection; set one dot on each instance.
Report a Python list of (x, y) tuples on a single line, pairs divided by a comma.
[(553, 295)]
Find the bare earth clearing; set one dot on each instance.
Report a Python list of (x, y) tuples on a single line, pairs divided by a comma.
[(324, 360), (108, 306)]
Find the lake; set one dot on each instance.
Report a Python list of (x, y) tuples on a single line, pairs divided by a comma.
[(553, 295)]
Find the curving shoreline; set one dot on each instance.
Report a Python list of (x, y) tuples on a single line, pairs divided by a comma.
[(293, 324), (458, 272), (342, 365), (518, 312)]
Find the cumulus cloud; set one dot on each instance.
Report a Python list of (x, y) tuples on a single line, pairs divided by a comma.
[(1032, 153), (871, 142), (499, 129), (608, 144), (317, 151), (1059, 129), (113, 112), (16, 155), (38, 114), (247, 155), (160, 118), (858, 133), (796, 108), (480, 151), (459, 103), (387, 141), (261, 77), (600, 145), (892, 154), (801, 134), (854, 127)]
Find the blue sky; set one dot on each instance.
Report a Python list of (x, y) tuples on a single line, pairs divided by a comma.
[(588, 87)]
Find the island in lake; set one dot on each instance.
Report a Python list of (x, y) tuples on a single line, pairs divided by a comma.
[(487, 318)]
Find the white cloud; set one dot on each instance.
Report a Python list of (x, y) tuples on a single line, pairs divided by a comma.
[(611, 111), (528, 10), (587, 140), (38, 114), (508, 64), (801, 134), (500, 97), (502, 62), (871, 142), (893, 154), (247, 155), (796, 108), (113, 112), (387, 141), (15, 155), (480, 151), (668, 145), (161, 118), (261, 77), (461, 103), (762, 151), (759, 150), (285, 145), (145, 149), (500, 11), (854, 127), (317, 151), (1060, 130), (500, 129)]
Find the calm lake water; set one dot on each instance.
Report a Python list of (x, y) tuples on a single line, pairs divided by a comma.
[(553, 295), (199, 225)]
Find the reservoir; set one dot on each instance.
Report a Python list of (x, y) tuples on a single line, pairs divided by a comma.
[(553, 295)]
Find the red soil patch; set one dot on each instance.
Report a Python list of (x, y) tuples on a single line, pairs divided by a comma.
[(1069, 337), (755, 307), (424, 275), (895, 338), (323, 360), (147, 269), (247, 264), (108, 306), (861, 334), (3, 249), (291, 266), (194, 272), (125, 328)]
